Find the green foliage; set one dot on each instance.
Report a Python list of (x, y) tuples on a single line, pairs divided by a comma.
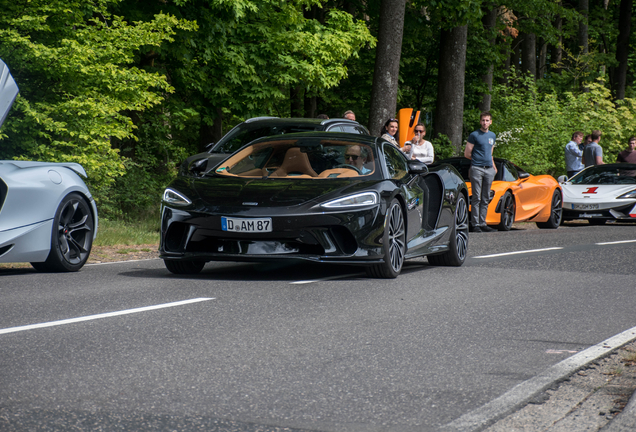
[(443, 147), (533, 128), (73, 63)]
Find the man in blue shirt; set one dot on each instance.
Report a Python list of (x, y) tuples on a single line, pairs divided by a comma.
[(573, 154), (482, 171), (593, 153)]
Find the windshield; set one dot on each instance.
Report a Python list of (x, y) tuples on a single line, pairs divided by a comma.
[(307, 158), (607, 174), (247, 132)]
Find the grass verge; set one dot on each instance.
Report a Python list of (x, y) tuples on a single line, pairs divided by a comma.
[(114, 233)]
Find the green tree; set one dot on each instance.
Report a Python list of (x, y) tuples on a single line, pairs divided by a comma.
[(72, 61)]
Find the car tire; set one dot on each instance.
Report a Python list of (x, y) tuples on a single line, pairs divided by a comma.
[(184, 267), (71, 237), (393, 244), (556, 212), (508, 211), (597, 221), (458, 244)]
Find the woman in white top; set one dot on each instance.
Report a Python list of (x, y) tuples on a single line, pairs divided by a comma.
[(418, 148), (390, 131)]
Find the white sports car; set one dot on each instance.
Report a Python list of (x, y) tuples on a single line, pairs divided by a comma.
[(601, 193), (47, 215)]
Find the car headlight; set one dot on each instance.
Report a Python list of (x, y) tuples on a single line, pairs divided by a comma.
[(357, 200), (171, 196), (628, 195)]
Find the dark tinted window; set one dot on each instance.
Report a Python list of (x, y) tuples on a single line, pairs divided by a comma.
[(395, 162), (509, 173), (602, 174), (352, 129), (335, 128)]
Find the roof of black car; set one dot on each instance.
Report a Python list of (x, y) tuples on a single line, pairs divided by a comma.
[(301, 121), (322, 135)]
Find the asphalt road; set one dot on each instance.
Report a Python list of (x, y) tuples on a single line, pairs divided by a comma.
[(305, 346)]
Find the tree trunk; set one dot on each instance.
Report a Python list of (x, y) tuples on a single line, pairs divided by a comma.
[(489, 21), (211, 134), (622, 47), (584, 9), (542, 67), (515, 56), (450, 92), (503, 79), (310, 106), (387, 64), (556, 51), (297, 102), (529, 54)]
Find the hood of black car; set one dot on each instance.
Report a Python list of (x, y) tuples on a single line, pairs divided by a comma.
[(271, 192)]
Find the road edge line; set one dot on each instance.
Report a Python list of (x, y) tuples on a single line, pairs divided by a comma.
[(522, 393)]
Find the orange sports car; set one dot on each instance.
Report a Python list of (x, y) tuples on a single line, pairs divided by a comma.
[(517, 196)]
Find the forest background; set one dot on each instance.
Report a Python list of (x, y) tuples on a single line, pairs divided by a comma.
[(130, 88)]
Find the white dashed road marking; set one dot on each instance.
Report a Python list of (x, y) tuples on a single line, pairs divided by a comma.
[(518, 252), (104, 315), (616, 242)]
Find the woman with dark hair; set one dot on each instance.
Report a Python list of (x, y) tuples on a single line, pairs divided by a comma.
[(389, 132)]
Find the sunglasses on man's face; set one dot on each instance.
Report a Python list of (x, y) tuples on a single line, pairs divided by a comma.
[(419, 131), (352, 157)]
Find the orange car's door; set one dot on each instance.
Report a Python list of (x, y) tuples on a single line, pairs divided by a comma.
[(526, 191)]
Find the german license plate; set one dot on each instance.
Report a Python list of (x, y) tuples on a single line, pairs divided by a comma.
[(584, 206), (251, 225)]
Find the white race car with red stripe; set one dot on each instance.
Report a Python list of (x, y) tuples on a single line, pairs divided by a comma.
[(601, 193)]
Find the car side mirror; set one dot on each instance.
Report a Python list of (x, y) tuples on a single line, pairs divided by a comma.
[(417, 167), (199, 166), (562, 179), (524, 175)]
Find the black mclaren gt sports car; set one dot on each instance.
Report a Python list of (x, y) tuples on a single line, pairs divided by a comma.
[(318, 196)]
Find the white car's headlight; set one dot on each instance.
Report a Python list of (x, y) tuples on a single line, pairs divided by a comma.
[(357, 200), (172, 197), (628, 195)]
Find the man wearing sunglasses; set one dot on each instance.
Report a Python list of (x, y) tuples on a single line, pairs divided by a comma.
[(357, 156)]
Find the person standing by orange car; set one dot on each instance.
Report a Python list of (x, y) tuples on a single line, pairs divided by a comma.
[(482, 171)]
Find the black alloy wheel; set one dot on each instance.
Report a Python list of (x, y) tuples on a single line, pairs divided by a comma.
[(556, 212), (393, 244), (184, 267), (71, 237), (508, 211), (458, 244)]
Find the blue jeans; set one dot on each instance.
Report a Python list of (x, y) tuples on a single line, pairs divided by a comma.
[(480, 182)]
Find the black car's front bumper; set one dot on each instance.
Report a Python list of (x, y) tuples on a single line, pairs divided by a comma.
[(351, 237)]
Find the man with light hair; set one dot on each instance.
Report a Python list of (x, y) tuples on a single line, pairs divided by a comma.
[(350, 115), (574, 155)]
